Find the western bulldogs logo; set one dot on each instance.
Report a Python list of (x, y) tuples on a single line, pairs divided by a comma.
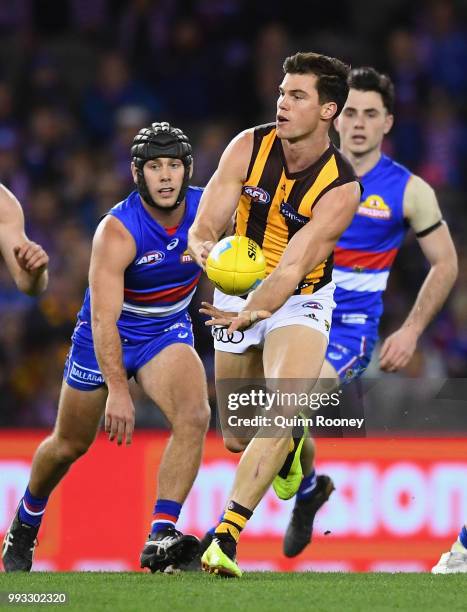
[(257, 194), (150, 258), (375, 207)]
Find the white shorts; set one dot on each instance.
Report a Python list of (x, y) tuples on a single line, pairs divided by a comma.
[(313, 311)]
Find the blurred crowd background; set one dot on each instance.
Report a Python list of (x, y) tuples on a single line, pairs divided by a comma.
[(78, 79)]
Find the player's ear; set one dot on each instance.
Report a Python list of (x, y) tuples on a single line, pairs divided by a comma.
[(328, 110), (133, 172), (388, 123)]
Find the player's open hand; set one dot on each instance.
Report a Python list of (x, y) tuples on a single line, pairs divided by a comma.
[(199, 249), (398, 349), (119, 417), (232, 320), (31, 257)]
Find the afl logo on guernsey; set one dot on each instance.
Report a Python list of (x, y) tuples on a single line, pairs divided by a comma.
[(256, 194), (150, 258), (375, 207)]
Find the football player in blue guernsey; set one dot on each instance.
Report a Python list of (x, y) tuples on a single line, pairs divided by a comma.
[(393, 201), (133, 323)]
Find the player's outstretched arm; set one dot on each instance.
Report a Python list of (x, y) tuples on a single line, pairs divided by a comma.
[(220, 198), (112, 251), (308, 248), (26, 261), (423, 213)]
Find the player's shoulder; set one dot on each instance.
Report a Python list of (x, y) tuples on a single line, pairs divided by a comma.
[(193, 196), (394, 167), (194, 191), (127, 206), (418, 184), (418, 192), (119, 221), (420, 204), (263, 130), (251, 136)]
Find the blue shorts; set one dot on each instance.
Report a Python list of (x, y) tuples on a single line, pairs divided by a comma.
[(349, 356), (82, 370)]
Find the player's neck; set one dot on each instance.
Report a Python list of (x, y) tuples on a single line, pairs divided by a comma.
[(166, 219), (301, 154), (362, 164)]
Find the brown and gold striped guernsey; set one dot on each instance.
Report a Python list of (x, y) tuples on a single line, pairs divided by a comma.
[(275, 203)]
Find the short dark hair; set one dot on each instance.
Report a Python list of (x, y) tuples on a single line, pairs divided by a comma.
[(331, 74), (367, 78)]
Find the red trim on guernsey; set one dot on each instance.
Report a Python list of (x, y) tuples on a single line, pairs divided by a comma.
[(171, 230), (166, 295), (349, 258), (159, 516)]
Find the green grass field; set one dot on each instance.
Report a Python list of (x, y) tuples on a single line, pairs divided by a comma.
[(255, 591)]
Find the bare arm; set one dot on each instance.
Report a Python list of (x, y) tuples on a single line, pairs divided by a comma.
[(220, 198), (113, 250), (422, 211), (307, 249), (25, 260)]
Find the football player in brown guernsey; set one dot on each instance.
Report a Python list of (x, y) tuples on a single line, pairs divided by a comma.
[(294, 194)]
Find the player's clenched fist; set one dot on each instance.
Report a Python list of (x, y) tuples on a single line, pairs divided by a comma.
[(31, 257)]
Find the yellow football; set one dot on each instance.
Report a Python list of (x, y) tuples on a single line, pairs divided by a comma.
[(236, 265)]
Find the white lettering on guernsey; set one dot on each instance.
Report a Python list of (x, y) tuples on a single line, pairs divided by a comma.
[(85, 376), (354, 318), (152, 257)]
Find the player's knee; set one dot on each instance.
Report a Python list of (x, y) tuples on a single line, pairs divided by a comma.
[(194, 419), (68, 451), (235, 445)]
